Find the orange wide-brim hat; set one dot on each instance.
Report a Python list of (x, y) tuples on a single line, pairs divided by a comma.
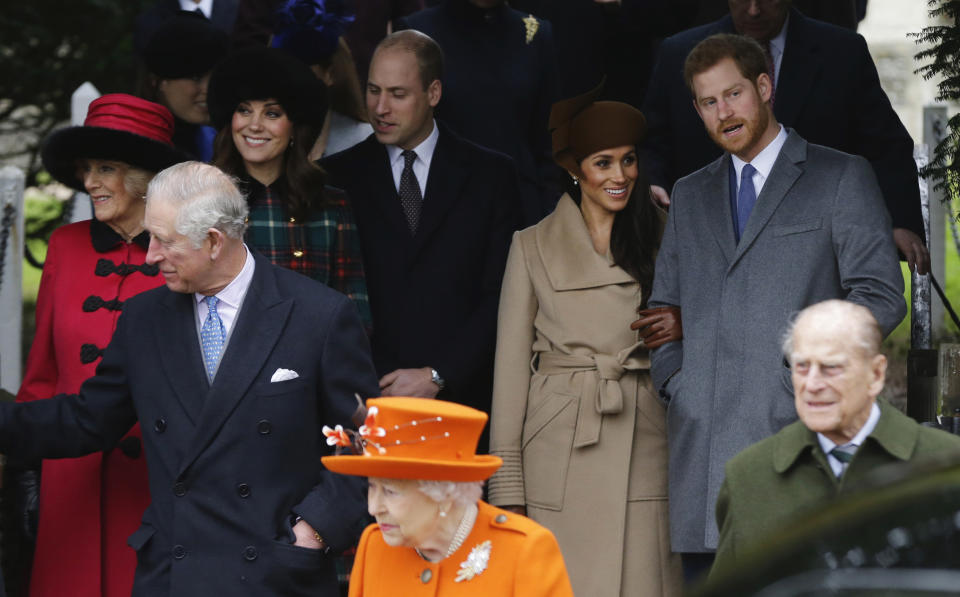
[(418, 438)]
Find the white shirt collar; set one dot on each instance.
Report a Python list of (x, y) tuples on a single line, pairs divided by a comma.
[(232, 294), (827, 445), (763, 161), (204, 5), (421, 166)]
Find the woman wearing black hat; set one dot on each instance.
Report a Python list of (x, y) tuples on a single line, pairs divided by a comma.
[(575, 416), (179, 56), (268, 108), (90, 505), (311, 30)]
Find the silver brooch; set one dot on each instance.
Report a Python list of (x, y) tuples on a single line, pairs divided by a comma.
[(475, 563)]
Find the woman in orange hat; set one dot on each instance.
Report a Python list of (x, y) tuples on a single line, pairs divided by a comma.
[(89, 506), (575, 416), (434, 535)]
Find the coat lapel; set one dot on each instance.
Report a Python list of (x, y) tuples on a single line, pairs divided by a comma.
[(715, 208), (379, 189), (567, 252), (180, 352), (784, 174), (259, 324), (443, 189), (801, 62)]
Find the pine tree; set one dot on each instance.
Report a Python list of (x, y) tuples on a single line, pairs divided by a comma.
[(944, 65)]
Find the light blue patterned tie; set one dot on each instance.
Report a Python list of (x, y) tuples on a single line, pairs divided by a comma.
[(746, 197), (212, 336)]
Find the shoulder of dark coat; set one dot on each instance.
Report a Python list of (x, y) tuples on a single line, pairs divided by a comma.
[(355, 159), (468, 150)]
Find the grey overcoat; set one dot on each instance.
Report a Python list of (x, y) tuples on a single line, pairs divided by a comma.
[(818, 231)]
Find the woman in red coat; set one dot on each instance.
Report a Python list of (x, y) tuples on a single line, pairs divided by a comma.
[(88, 506), (434, 536)]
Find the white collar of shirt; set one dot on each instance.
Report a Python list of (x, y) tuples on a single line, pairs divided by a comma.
[(421, 165), (777, 45), (206, 6), (763, 162), (231, 297), (827, 446)]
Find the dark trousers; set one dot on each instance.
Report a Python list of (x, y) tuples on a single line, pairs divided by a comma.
[(696, 566)]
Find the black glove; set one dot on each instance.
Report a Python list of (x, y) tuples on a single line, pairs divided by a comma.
[(26, 490)]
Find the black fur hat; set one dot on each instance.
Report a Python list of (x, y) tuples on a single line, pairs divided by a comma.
[(259, 73), (185, 45)]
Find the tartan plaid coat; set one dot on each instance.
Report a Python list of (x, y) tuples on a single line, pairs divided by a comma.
[(325, 247)]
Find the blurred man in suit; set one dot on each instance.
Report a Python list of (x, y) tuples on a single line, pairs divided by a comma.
[(773, 225)]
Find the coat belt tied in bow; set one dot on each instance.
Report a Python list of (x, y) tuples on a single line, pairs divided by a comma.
[(602, 384)]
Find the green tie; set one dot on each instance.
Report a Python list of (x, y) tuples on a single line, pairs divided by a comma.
[(841, 455)]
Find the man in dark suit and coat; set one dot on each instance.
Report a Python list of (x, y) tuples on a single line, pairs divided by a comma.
[(435, 215), (231, 368)]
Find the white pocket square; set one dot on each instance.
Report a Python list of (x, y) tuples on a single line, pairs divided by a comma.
[(283, 375)]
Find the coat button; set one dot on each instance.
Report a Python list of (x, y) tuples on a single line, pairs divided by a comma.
[(160, 425), (501, 518), (179, 489), (179, 552), (250, 553), (243, 490), (426, 575), (264, 427)]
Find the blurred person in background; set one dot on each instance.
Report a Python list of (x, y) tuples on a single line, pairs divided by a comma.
[(499, 82), (312, 31), (178, 57)]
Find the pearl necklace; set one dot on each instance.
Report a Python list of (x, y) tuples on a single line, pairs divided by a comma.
[(463, 529)]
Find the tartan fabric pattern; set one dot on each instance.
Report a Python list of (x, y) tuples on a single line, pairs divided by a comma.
[(325, 247)]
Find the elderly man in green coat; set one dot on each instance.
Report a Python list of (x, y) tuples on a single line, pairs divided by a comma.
[(842, 434)]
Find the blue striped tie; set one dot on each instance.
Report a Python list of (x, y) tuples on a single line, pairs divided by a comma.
[(212, 336)]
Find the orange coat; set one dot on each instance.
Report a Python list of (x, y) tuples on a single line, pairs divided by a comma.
[(525, 561)]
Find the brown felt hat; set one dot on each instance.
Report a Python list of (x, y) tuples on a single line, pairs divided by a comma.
[(580, 126)]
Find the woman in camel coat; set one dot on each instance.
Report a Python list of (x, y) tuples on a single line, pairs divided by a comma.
[(575, 418)]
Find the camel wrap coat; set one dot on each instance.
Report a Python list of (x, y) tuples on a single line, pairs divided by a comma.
[(581, 432)]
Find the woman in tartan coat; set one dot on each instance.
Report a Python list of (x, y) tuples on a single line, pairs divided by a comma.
[(268, 108)]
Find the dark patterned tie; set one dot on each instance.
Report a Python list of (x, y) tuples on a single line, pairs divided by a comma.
[(410, 197), (843, 454)]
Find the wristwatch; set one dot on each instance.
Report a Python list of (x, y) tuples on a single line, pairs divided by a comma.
[(435, 378)]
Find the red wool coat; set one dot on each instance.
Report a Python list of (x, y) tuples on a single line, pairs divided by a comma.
[(90, 505)]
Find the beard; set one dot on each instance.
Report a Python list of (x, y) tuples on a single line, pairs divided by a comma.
[(746, 143)]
